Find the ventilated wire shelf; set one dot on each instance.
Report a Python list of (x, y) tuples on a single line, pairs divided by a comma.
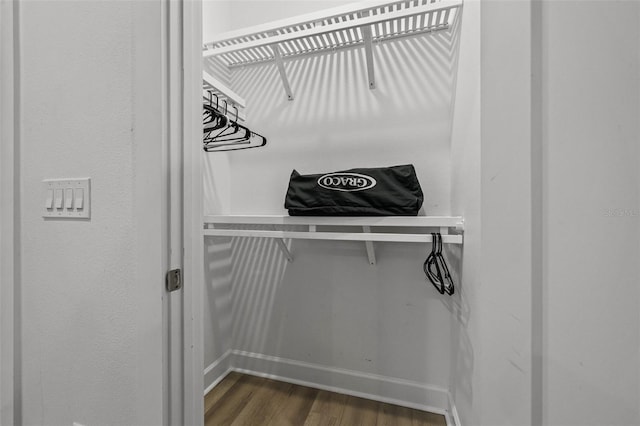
[(404, 229), (316, 34)]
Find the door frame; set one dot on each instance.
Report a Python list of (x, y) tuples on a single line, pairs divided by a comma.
[(193, 215), (169, 192), (8, 155)]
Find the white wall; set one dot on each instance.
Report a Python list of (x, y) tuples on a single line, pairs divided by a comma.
[(500, 319), (330, 307), (216, 18), (7, 191), (590, 100), (465, 199), (491, 336), (590, 111), (91, 325)]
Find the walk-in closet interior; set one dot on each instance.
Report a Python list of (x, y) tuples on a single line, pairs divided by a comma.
[(338, 304), (520, 119)]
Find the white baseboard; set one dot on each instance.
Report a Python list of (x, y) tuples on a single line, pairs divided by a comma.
[(453, 418), (372, 386), (217, 371), (365, 385)]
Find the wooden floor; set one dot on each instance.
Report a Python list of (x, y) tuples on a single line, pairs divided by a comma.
[(247, 400)]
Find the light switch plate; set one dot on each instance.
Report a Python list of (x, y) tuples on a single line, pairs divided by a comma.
[(68, 211)]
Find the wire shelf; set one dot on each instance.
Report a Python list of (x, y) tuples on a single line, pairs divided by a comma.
[(333, 29)]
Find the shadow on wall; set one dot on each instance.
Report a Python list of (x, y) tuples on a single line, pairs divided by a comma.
[(215, 67), (413, 76), (331, 307), (336, 122), (218, 276), (258, 268)]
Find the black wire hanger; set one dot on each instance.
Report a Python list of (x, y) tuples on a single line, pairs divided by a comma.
[(233, 136), (431, 268), (436, 269), (449, 288), (212, 117)]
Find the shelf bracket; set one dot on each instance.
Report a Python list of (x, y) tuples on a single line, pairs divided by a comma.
[(368, 50), (282, 245), (285, 250), (371, 253), (277, 55)]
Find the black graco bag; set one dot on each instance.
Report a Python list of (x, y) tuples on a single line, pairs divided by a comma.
[(385, 191)]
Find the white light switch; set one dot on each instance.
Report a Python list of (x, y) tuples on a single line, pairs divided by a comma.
[(79, 198), (58, 199), (67, 198), (48, 201)]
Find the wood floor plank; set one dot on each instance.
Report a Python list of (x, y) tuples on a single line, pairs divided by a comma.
[(231, 404), (360, 412), (218, 392), (404, 416), (297, 407), (243, 400), (327, 409), (264, 404), (387, 415), (424, 418)]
